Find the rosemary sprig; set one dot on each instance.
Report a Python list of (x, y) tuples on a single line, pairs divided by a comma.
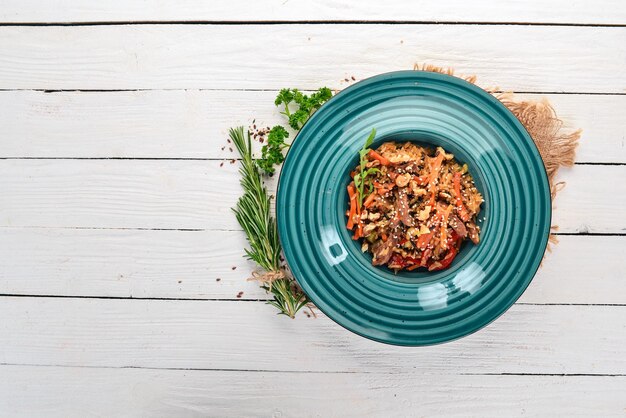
[(253, 214)]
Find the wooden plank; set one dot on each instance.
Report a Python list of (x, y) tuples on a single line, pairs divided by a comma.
[(568, 274), (189, 124), (560, 11), (186, 264), (118, 194), (177, 194), (519, 58), (250, 336), (126, 263), (38, 391)]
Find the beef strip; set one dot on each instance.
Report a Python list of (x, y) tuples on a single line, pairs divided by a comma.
[(383, 250), (473, 232), (402, 207), (457, 225)]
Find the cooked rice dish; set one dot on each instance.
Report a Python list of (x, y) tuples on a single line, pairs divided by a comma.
[(412, 206)]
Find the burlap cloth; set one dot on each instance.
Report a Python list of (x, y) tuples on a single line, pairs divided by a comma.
[(556, 146)]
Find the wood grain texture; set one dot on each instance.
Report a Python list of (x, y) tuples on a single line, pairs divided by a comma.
[(250, 336), (36, 391), (519, 58), (194, 124), (561, 11), (186, 264), (178, 194), (82, 354), (126, 263)]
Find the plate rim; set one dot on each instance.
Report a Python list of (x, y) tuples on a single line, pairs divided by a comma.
[(509, 114)]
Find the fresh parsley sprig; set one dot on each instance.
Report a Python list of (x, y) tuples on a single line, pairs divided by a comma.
[(306, 104), (272, 153)]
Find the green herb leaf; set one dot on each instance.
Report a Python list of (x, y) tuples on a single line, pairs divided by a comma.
[(361, 178), (285, 96), (298, 118), (272, 153), (306, 104), (370, 139)]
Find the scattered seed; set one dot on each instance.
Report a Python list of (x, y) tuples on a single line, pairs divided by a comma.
[(230, 149), (346, 80), (180, 281), (233, 161), (353, 79), (228, 141), (222, 164), (233, 267), (218, 279)]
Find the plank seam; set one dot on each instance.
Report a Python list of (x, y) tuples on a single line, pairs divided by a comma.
[(309, 22), (50, 296), (213, 159), (104, 228), (52, 91), (305, 371)]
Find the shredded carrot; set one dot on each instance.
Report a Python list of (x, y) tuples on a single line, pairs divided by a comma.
[(359, 231), (444, 226), (435, 166), (353, 204), (370, 200), (373, 154), (421, 181), (384, 237), (413, 267), (381, 189), (424, 240)]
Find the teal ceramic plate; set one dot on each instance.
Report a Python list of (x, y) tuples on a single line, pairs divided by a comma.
[(414, 308)]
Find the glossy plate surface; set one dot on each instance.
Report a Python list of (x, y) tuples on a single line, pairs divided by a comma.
[(414, 308)]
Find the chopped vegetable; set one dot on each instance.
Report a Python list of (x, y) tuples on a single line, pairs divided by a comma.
[(352, 213), (382, 160), (370, 200)]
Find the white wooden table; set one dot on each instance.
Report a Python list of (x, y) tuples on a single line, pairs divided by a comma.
[(115, 217)]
